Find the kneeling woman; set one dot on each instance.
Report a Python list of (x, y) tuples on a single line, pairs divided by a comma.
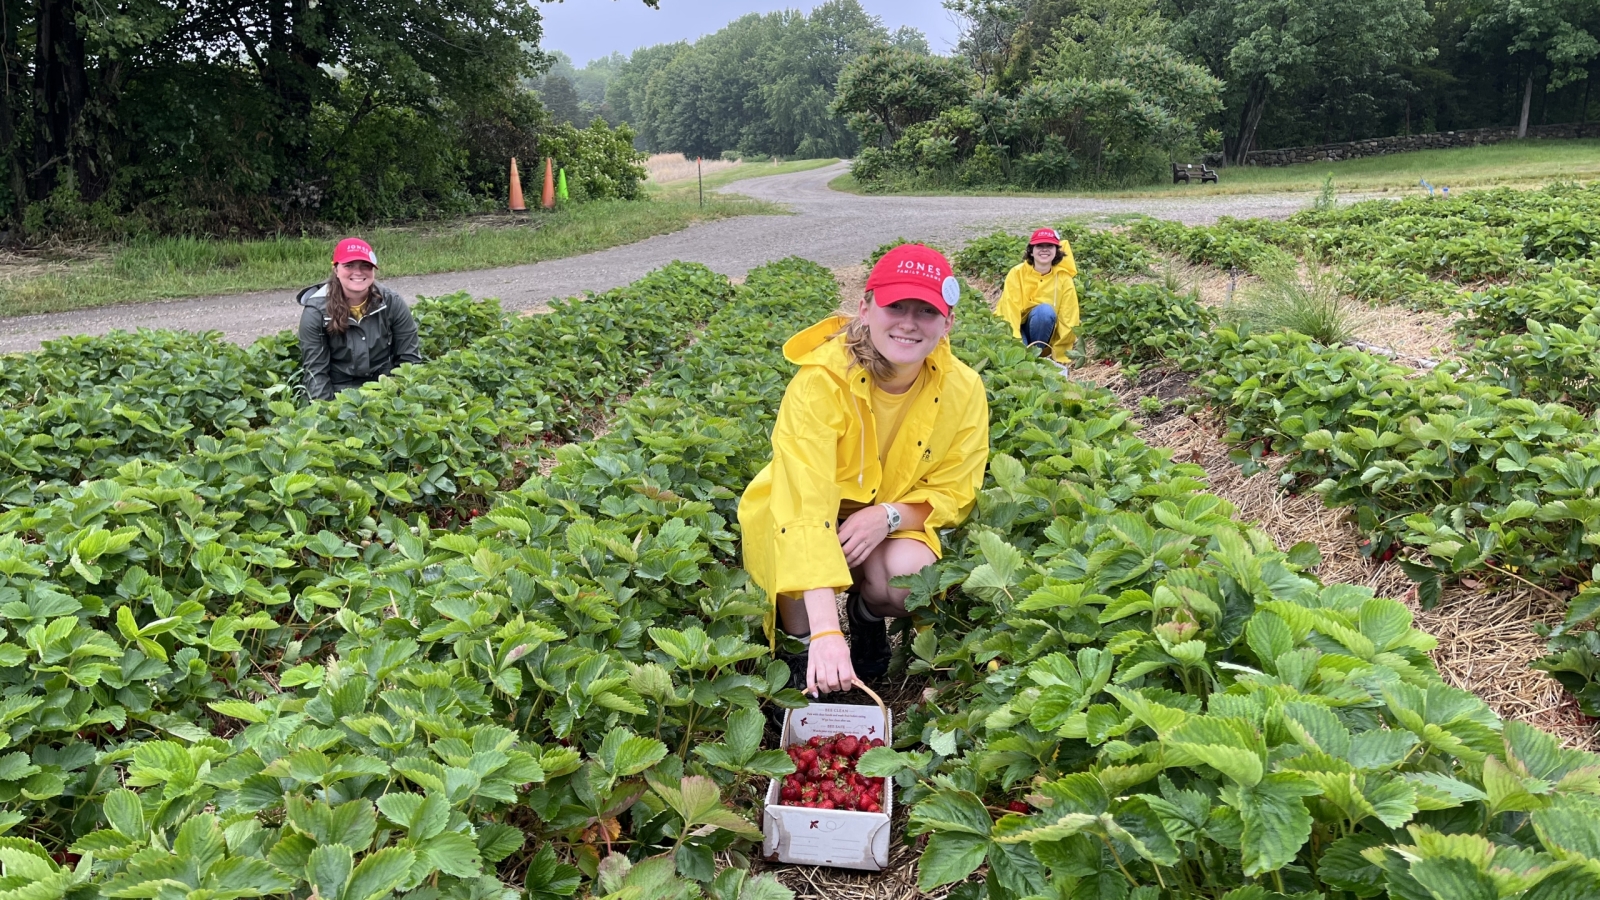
[(1040, 300), (881, 440), (353, 329)]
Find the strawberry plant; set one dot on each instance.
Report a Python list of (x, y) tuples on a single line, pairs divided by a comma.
[(365, 648), (1562, 295), (1229, 244), (1135, 323)]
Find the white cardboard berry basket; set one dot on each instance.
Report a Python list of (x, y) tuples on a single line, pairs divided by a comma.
[(842, 838)]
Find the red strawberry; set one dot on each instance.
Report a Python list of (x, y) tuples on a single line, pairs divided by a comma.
[(1017, 806), (847, 746)]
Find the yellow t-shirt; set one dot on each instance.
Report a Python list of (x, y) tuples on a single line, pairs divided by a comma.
[(357, 311), (889, 410)]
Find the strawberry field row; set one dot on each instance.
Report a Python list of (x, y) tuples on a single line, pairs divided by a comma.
[(563, 694), (213, 382), (1420, 251), (229, 683), (1135, 694), (532, 377)]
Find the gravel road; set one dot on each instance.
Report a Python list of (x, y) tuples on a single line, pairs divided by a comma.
[(830, 227)]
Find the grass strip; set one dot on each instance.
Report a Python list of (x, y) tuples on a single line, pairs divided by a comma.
[(177, 267), (1528, 163), (688, 187)]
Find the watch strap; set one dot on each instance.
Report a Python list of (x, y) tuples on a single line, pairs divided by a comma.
[(894, 517)]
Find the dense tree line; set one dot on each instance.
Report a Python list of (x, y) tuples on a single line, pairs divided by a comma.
[(760, 86), (1317, 71), (250, 115), (1048, 93)]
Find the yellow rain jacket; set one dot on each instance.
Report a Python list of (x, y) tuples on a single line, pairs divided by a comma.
[(1026, 288), (824, 451)]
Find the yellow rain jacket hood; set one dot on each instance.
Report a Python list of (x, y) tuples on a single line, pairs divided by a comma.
[(824, 451), (1026, 288)]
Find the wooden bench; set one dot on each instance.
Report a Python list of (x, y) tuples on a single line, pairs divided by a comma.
[(1186, 171)]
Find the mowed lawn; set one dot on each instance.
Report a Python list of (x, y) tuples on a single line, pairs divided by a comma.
[(1527, 163), (171, 268)]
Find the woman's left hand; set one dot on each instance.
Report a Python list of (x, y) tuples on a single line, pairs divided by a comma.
[(862, 532)]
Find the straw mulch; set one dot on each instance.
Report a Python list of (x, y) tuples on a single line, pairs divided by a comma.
[(1485, 630), (1414, 335)]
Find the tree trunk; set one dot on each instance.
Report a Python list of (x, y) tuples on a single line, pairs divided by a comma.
[(1255, 104), (60, 88), (11, 86), (1527, 101)]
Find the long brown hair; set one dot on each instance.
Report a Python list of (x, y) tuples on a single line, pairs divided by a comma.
[(339, 305)]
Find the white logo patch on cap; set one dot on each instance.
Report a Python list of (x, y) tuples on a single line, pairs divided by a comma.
[(951, 290)]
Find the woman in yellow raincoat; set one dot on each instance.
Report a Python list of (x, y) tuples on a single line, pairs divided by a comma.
[(881, 441), (1040, 300)]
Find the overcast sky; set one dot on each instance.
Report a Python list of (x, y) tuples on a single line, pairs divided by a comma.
[(586, 29)]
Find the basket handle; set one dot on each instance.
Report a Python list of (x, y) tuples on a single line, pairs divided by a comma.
[(882, 707)]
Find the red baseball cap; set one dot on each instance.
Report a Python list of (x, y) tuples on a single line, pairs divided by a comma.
[(914, 272), (1045, 236), (354, 250)]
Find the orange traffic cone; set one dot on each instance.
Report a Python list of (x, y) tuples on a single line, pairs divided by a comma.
[(548, 201), (516, 189)]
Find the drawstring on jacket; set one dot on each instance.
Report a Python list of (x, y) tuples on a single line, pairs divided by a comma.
[(861, 473)]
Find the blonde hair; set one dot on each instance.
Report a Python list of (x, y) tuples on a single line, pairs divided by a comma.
[(858, 344)]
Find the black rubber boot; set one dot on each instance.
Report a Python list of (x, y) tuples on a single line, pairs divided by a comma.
[(869, 642)]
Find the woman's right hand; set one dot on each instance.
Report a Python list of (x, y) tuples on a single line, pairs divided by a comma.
[(829, 667)]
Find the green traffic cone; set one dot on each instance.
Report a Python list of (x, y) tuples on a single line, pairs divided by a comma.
[(561, 186)]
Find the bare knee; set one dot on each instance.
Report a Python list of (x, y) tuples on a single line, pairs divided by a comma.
[(891, 559)]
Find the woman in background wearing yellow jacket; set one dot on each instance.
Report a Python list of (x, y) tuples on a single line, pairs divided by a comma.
[(881, 441), (1040, 300)]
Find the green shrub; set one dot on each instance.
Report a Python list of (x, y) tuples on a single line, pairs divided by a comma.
[(601, 162)]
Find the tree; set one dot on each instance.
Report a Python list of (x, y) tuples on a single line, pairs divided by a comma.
[(560, 99), (628, 94), (801, 72), (1266, 47), (887, 90), (1539, 35), (989, 28), (761, 85), (144, 96)]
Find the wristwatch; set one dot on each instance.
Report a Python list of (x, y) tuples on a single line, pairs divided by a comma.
[(894, 517)]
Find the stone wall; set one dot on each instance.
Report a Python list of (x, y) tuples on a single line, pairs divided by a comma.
[(1381, 146)]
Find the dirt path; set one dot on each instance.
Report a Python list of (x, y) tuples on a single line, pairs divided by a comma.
[(832, 228)]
